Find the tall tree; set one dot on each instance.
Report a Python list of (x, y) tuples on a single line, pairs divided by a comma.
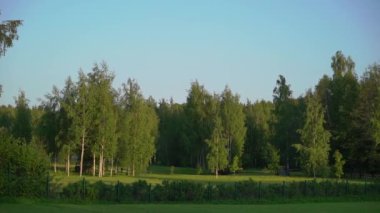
[(315, 139), (233, 119), (48, 124), (343, 97), (217, 157), (104, 116), (282, 124), (139, 129), (366, 123), (171, 149), (258, 119), (23, 119), (197, 128), (8, 33), (81, 114), (66, 133)]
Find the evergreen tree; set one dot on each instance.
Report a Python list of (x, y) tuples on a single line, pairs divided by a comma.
[(283, 120), (22, 127)]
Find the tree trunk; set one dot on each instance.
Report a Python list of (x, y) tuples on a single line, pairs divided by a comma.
[(55, 162), (101, 162), (81, 155), (103, 165), (68, 162), (111, 165), (216, 172), (93, 164), (133, 169)]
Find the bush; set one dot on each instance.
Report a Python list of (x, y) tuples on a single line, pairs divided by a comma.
[(180, 191), (23, 168), (244, 191), (141, 190)]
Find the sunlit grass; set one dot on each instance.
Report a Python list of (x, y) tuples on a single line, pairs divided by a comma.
[(156, 174)]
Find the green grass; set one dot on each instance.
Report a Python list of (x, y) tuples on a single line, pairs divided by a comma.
[(156, 174), (345, 207)]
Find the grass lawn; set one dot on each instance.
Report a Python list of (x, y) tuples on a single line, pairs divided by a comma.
[(345, 207), (156, 174)]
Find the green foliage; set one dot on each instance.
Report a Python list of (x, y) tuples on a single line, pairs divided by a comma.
[(171, 146), (197, 125), (235, 165), (273, 159), (22, 127), (258, 136), (103, 119), (338, 164), (342, 99), (315, 146), (199, 170), (8, 33), (23, 168), (233, 121), (287, 118), (217, 155), (139, 129), (242, 191)]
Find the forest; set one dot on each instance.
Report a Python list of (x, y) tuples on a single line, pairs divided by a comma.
[(331, 130)]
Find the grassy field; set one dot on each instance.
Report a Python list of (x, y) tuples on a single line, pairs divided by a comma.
[(156, 174), (345, 207)]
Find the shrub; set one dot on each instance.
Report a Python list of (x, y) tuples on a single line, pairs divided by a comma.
[(23, 168), (141, 190)]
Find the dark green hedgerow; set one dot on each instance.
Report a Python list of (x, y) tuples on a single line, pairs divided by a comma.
[(244, 191)]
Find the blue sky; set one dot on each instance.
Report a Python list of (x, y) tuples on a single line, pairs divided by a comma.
[(165, 45)]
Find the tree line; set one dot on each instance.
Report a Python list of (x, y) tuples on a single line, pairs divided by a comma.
[(331, 129)]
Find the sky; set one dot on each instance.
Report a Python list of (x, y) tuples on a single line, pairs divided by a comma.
[(165, 45)]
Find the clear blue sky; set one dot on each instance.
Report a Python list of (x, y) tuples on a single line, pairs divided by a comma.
[(165, 45)]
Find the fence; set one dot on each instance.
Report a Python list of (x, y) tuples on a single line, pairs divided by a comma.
[(185, 191)]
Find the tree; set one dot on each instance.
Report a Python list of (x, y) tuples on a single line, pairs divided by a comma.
[(343, 98), (258, 135), (171, 149), (23, 167), (315, 146), (22, 128), (197, 126), (233, 120), (338, 164), (8, 33), (273, 159), (104, 115), (217, 155), (47, 126), (367, 122), (283, 123), (81, 114), (139, 129), (66, 133)]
